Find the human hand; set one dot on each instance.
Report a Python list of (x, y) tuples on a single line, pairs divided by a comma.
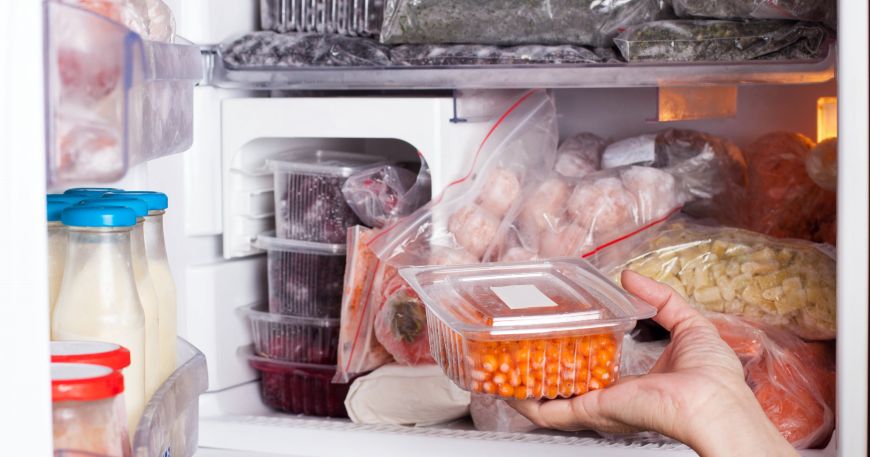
[(694, 393)]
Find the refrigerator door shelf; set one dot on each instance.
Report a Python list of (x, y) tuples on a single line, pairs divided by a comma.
[(113, 98)]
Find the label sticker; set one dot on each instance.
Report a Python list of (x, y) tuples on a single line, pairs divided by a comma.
[(523, 297)]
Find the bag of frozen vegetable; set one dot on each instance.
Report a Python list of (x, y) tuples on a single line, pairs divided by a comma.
[(483, 54), (508, 22), (716, 40), (795, 10), (785, 283)]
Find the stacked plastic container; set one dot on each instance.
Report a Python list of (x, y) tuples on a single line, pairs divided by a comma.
[(296, 339)]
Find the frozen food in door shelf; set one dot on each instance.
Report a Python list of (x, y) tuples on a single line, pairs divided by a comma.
[(98, 299)]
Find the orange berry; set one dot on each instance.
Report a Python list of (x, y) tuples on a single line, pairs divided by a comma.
[(538, 359), (580, 388), (506, 390), (538, 391), (504, 362), (568, 373), (490, 364), (538, 374), (476, 386), (514, 378), (552, 368), (489, 387), (479, 375), (522, 356), (521, 393), (594, 384), (600, 373), (552, 380), (584, 347), (552, 392), (566, 391), (529, 381)]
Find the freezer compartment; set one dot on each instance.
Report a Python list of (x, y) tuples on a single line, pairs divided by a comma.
[(293, 339), (301, 388), (347, 17), (114, 99), (170, 422)]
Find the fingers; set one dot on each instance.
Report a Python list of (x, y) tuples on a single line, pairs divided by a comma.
[(672, 308), (578, 413)]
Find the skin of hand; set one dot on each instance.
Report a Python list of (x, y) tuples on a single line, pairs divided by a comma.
[(694, 393)]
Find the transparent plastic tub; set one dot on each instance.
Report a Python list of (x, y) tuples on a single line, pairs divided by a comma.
[(305, 279), (114, 99), (293, 339), (522, 330), (309, 205), (300, 388), (347, 17), (170, 422)]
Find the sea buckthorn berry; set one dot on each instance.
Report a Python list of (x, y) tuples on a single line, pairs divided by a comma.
[(594, 384), (600, 373), (580, 388), (552, 379), (504, 362), (538, 359), (538, 391), (514, 378), (499, 378), (479, 375), (490, 364), (566, 391), (506, 390), (521, 393), (489, 387), (552, 392), (552, 368)]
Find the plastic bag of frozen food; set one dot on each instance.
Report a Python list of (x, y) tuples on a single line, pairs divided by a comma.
[(506, 22), (795, 10), (481, 54), (579, 155), (382, 194), (786, 283), (715, 40), (794, 381), (400, 327), (822, 164), (358, 349), (270, 50)]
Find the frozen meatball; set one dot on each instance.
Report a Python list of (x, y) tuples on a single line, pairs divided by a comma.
[(448, 256), (545, 208), (474, 228), (518, 254), (655, 191), (580, 155), (500, 191), (570, 240), (603, 205)]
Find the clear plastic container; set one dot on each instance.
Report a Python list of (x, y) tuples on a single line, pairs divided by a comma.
[(347, 17), (114, 98), (309, 205), (88, 409), (294, 339), (94, 352), (170, 422), (521, 330), (300, 388), (305, 279)]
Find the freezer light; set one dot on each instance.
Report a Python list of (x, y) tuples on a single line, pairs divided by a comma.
[(826, 118)]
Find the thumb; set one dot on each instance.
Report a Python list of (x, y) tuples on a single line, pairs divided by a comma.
[(672, 308)]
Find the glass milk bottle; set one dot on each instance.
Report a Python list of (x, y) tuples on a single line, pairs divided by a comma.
[(98, 299), (161, 276), (144, 285), (56, 249)]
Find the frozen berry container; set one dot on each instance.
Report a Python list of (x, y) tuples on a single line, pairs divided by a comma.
[(299, 388), (309, 205), (306, 279), (293, 338), (542, 329)]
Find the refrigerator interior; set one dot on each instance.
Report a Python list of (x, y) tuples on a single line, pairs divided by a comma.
[(221, 198)]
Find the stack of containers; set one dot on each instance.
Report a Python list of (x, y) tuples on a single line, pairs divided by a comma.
[(296, 341)]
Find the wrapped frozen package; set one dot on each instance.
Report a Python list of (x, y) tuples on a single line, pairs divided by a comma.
[(579, 155), (795, 10), (275, 50), (508, 22), (491, 414), (786, 283), (402, 395), (794, 381), (382, 194), (400, 327), (717, 40), (481, 54)]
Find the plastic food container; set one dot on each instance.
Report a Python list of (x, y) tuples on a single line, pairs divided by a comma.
[(542, 329), (309, 205), (294, 339), (93, 352), (347, 17), (301, 388), (305, 279)]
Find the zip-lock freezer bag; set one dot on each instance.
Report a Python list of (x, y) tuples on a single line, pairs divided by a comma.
[(795, 10), (714, 40), (382, 194), (400, 325), (579, 155), (275, 50), (480, 54), (785, 283), (510, 22), (793, 380)]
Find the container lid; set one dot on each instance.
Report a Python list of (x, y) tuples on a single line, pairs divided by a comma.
[(136, 204), (53, 210), (157, 201), (528, 299), (256, 313), (282, 366), (319, 162), (84, 382), (98, 216), (90, 191), (270, 243), (94, 352), (69, 199)]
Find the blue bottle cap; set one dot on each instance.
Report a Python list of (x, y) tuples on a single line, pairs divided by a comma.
[(98, 216), (91, 191), (136, 204), (69, 199), (156, 201), (54, 210)]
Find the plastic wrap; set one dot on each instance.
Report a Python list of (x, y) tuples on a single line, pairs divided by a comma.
[(794, 381), (400, 327), (347, 17), (490, 414), (271, 50), (787, 283), (383, 194), (479, 54), (402, 395), (579, 155), (358, 349), (714, 40), (798, 10), (583, 22), (152, 19), (822, 164)]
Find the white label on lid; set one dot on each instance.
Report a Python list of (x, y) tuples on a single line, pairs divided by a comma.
[(523, 297)]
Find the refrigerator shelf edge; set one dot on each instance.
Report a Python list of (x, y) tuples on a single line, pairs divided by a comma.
[(518, 76)]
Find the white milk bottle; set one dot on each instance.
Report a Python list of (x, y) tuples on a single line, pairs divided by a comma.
[(56, 242), (98, 299), (144, 285), (161, 276)]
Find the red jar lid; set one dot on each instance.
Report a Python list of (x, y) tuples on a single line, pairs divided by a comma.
[(84, 382), (95, 352)]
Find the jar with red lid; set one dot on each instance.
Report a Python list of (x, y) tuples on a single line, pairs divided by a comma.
[(88, 409), (109, 355)]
